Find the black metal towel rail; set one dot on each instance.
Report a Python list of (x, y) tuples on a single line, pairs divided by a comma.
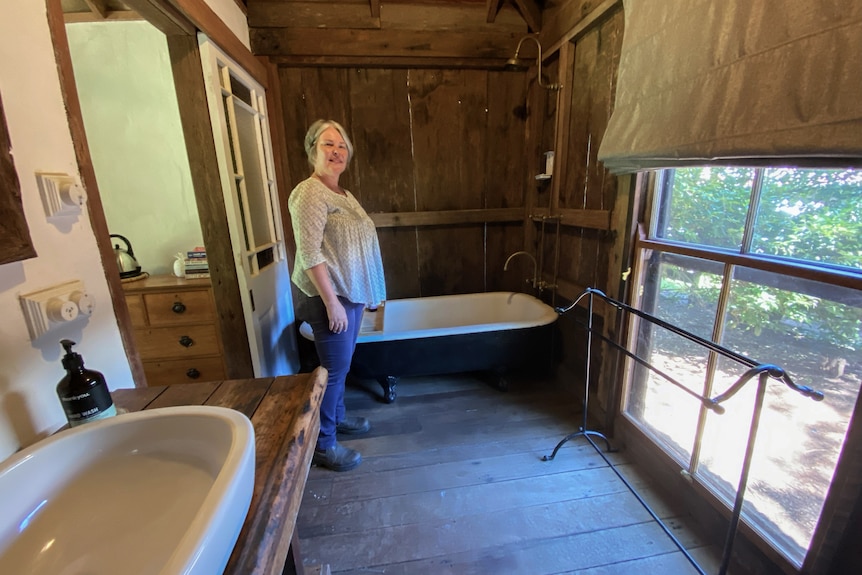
[(762, 371)]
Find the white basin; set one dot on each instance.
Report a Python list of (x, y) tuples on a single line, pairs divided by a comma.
[(163, 491)]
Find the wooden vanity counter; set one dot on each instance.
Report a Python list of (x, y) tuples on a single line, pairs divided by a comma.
[(286, 418)]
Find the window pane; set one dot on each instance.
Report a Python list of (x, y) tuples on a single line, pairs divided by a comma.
[(240, 90), (813, 331), (682, 291), (257, 188), (238, 182), (706, 206), (812, 215), (226, 105)]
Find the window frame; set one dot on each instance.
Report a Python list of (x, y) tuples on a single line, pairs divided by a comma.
[(829, 532)]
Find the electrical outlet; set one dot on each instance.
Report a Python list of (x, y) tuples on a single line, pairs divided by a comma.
[(46, 308)]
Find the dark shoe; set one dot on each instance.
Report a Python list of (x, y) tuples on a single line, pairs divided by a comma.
[(336, 458), (353, 425)]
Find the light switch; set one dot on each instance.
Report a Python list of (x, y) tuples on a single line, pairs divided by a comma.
[(61, 310), (46, 308), (61, 194), (85, 302)]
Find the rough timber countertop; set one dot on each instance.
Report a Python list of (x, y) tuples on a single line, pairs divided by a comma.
[(286, 418)]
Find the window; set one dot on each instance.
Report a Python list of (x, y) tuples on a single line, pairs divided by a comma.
[(767, 263)]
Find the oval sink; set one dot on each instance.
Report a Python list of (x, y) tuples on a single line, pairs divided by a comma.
[(163, 491)]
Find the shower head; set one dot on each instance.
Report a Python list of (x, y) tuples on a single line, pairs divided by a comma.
[(514, 63)]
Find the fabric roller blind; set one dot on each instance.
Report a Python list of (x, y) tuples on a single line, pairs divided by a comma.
[(746, 82)]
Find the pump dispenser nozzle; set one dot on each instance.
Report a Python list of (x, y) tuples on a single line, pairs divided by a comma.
[(71, 360)]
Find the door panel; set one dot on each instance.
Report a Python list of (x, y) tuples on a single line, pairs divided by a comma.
[(238, 109)]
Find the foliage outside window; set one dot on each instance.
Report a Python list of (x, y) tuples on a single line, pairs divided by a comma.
[(716, 237)]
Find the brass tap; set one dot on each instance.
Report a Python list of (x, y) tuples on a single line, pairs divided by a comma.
[(535, 281)]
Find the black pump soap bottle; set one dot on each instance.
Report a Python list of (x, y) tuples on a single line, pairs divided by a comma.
[(83, 392)]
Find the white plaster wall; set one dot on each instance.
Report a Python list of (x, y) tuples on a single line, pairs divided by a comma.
[(235, 19), (39, 132), (129, 104)]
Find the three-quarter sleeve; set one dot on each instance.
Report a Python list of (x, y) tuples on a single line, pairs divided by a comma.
[(308, 212)]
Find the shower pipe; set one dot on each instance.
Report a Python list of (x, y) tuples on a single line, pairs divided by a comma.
[(763, 372), (541, 284)]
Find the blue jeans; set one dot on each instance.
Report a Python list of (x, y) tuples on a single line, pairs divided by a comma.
[(335, 351)]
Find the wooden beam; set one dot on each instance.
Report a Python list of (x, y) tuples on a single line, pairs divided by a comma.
[(446, 217), (531, 13), (454, 17), (379, 43), (95, 209), (493, 6), (565, 72), (312, 15), (210, 24), (98, 7), (565, 25), (114, 16), (375, 8), (189, 84), (385, 62), (164, 16), (186, 17), (614, 326), (591, 219)]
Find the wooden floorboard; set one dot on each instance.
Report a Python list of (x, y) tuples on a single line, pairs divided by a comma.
[(452, 481)]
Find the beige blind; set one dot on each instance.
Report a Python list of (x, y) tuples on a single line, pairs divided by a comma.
[(737, 82)]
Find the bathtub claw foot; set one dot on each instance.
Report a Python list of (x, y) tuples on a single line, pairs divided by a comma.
[(388, 384), (501, 383), (497, 379)]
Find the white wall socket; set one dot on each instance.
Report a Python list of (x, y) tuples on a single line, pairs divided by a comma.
[(61, 194), (48, 307)]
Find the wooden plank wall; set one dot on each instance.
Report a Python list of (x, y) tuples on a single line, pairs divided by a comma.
[(446, 144), (585, 198), (446, 159)]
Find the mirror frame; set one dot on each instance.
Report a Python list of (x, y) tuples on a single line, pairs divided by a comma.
[(15, 241)]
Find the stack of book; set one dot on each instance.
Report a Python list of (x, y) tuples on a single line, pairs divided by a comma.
[(196, 265)]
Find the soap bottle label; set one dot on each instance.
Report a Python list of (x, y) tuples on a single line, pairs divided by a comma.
[(93, 404)]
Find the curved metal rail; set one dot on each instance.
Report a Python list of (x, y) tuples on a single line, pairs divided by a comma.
[(763, 373)]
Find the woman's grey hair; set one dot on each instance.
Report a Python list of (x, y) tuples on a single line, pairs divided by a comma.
[(313, 134)]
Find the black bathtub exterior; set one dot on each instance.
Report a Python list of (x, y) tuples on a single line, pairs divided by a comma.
[(495, 351)]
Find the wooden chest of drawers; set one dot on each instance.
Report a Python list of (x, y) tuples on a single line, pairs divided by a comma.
[(176, 334)]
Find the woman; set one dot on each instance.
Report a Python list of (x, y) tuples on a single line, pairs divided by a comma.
[(338, 267)]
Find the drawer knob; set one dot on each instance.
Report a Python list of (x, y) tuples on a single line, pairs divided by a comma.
[(178, 307), (193, 373), (186, 341)]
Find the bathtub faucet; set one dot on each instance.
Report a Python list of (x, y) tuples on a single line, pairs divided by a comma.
[(533, 282)]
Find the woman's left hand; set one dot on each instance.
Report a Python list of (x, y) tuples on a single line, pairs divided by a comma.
[(337, 317)]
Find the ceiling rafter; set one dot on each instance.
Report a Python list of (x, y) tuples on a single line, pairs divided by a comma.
[(98, 7), (493, 8), (529, 10)]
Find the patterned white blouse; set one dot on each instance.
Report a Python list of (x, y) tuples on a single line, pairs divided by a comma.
[(334, 229)]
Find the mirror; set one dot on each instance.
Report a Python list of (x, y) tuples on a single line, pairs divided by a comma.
[(129, 105)]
